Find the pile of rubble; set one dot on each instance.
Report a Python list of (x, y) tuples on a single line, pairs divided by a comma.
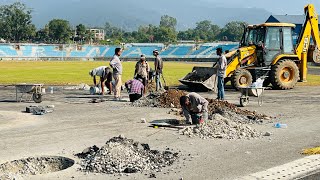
[(167, 99), (122, 155), (231, 111), (171, 99), (221, 127)]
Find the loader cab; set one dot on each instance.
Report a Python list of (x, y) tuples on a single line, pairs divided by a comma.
[(270, 40), (278, 40)]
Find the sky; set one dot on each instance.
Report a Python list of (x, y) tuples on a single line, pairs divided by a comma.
[(292, 7), (276, 7)]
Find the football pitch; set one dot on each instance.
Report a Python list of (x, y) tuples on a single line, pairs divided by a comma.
[(76, 72)]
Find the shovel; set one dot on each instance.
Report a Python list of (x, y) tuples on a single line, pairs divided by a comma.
[(165, 84)]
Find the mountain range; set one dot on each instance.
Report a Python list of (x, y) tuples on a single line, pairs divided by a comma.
[(129, 14)]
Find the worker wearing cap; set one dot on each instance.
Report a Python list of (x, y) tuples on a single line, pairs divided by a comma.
[(135, 89), (105, 74), (221, 73), (195, 108), (158, 66), (142, 71), (115, 63)]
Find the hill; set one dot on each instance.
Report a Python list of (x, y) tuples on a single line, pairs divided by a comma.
[(130, 14)]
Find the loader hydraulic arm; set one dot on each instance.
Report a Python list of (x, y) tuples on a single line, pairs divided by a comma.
[(309, 29)]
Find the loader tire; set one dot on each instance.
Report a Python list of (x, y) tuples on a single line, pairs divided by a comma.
[(284, 74), (241, 78)]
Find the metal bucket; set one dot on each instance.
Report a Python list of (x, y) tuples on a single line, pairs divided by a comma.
[(94, 90)]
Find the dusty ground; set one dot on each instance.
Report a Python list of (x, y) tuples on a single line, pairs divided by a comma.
[(76, 124)]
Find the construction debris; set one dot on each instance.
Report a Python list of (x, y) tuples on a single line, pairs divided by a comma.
[(221, 127), (122, 155), (171, 99), (226, 120), (167, 99), (39, 110)]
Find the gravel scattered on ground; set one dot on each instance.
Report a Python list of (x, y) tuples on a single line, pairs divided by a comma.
[(221, 127), (123, 155)]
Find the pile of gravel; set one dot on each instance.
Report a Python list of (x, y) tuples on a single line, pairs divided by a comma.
[(122, 155), (222, 127)]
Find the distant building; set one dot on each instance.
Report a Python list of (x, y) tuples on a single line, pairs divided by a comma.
[(99, 34)]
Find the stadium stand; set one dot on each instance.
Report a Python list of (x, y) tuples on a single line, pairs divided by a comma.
[(8, 50), (133, 50)]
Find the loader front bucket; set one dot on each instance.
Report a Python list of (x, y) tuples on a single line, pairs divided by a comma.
[(201, 78)]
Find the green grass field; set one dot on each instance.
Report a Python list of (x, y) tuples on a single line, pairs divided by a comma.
[(76, 72)]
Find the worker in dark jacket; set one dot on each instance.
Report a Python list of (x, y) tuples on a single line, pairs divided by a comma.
[(195, 108)]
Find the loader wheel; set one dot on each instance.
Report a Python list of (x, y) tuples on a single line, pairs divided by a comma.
[(284, 74), (241, 78)]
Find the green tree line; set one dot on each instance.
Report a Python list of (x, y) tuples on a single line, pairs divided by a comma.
[(16, 26)]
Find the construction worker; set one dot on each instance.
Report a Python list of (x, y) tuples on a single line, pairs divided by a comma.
[(105, 75), (221, 73), (142, 71), (135, 89), (115, 63), (158, 66), (195, 108)]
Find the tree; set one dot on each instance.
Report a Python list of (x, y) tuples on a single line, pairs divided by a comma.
[(186, 35), (59, 30), (15, 22), (233, 30), (206, 31), (81, 31), (168, 22), (165, 35), (89, 36), (42, 35), (113, 32)]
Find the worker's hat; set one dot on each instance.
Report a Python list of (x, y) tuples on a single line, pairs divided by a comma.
[(155, 51)]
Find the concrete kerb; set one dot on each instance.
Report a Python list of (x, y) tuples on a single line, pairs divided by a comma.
[(293, 170)]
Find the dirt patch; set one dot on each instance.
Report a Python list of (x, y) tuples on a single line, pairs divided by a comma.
[(34, 166), (167, 99), (123, 155)]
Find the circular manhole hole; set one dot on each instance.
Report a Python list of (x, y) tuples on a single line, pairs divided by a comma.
[(36, 165)]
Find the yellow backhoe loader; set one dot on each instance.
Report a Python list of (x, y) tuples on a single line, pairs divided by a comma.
[(267, 50)]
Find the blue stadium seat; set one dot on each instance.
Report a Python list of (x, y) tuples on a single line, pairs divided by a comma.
[(200, 50), (8, 50)]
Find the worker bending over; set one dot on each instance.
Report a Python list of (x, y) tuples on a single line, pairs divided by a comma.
[(105, 75), (135, 89), (195, 108)]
